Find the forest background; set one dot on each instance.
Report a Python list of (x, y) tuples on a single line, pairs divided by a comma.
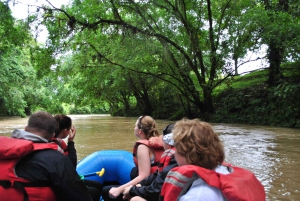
[(165, 58)]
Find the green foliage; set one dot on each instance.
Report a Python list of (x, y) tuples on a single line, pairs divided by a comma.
[(286, 105), (168, 59), (280, 31), (99, 110), (80, 110), (15, 72), (249, 80), (256, 103), (188, 45)]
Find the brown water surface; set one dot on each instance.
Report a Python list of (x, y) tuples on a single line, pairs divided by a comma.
[(271, 153)]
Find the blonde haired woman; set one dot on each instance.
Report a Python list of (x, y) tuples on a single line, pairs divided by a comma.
[(146, 152), (201, 174)]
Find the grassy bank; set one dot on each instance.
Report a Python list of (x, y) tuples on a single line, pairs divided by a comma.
[(248, 99)]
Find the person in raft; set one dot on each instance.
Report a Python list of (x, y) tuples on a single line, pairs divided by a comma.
[(147, 152), (32, 168), (149, 188), (202, 174), (63, 130)]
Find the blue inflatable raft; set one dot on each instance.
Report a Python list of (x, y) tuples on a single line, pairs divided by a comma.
[(117, 164)]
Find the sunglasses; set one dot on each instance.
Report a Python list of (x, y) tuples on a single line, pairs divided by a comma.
[(140, 120)]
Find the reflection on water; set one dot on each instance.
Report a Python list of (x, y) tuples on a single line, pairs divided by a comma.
[(271, 153)]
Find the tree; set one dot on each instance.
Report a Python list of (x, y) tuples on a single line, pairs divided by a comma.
[(281, 34), (193, 39), (15, 71)]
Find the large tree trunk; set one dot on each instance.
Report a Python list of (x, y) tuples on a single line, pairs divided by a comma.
[(236, 66), (208, 101), (126, 103), (275, 55), (276, 46)]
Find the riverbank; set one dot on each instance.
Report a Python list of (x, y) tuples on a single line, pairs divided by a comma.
[(242, 99), (249, 100)]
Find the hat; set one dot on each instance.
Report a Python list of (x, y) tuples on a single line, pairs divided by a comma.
[(169, 139)]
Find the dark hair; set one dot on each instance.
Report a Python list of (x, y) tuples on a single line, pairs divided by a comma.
[(43, 123), (147, 124), (168, 129), (63, 122)]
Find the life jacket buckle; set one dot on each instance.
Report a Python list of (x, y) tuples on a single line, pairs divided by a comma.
[(5, 183)]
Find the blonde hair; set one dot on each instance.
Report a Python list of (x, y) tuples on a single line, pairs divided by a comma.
[(198, 143), (147, 124)]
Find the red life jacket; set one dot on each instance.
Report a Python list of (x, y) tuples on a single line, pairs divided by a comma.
[(62, 145), (239, 185), (155, 144), (165, 159), (13, 187)]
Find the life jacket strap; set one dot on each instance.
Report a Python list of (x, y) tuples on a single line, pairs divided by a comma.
[(20, 185)]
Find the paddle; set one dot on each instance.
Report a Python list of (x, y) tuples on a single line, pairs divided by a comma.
[(99, 173)]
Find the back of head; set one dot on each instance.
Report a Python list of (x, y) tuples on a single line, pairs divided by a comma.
[(168, 129), (63, 122), (198, 143), (147, 124), (42, 124)]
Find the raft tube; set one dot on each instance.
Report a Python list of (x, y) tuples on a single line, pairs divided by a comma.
[(117, 164)]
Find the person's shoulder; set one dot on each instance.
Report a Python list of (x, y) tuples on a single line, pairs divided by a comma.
[(143, 147), (55, 158), (141, 141), (202, 191), (47, 157), (49, 153), (143, 152)]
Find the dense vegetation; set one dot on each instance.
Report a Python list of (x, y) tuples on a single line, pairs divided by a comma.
[(164, 58), (250, 100)]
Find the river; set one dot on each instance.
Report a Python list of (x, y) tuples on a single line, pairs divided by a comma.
[(271, 153)]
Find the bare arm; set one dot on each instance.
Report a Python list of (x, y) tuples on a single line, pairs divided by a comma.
[(143, 156)]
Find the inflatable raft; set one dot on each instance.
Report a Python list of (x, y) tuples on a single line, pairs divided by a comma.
[(117, 164)]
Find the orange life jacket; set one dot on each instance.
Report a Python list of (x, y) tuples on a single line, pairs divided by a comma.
[(239, 185), (155, 144), (13, 187)]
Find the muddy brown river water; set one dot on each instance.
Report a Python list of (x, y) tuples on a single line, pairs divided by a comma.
[(271, 153)]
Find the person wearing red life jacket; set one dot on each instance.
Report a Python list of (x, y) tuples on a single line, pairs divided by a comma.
[(149, 188), (202, 174), (63, 130), (168, 155), (152, 139), (33, 169), (146, 152)]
